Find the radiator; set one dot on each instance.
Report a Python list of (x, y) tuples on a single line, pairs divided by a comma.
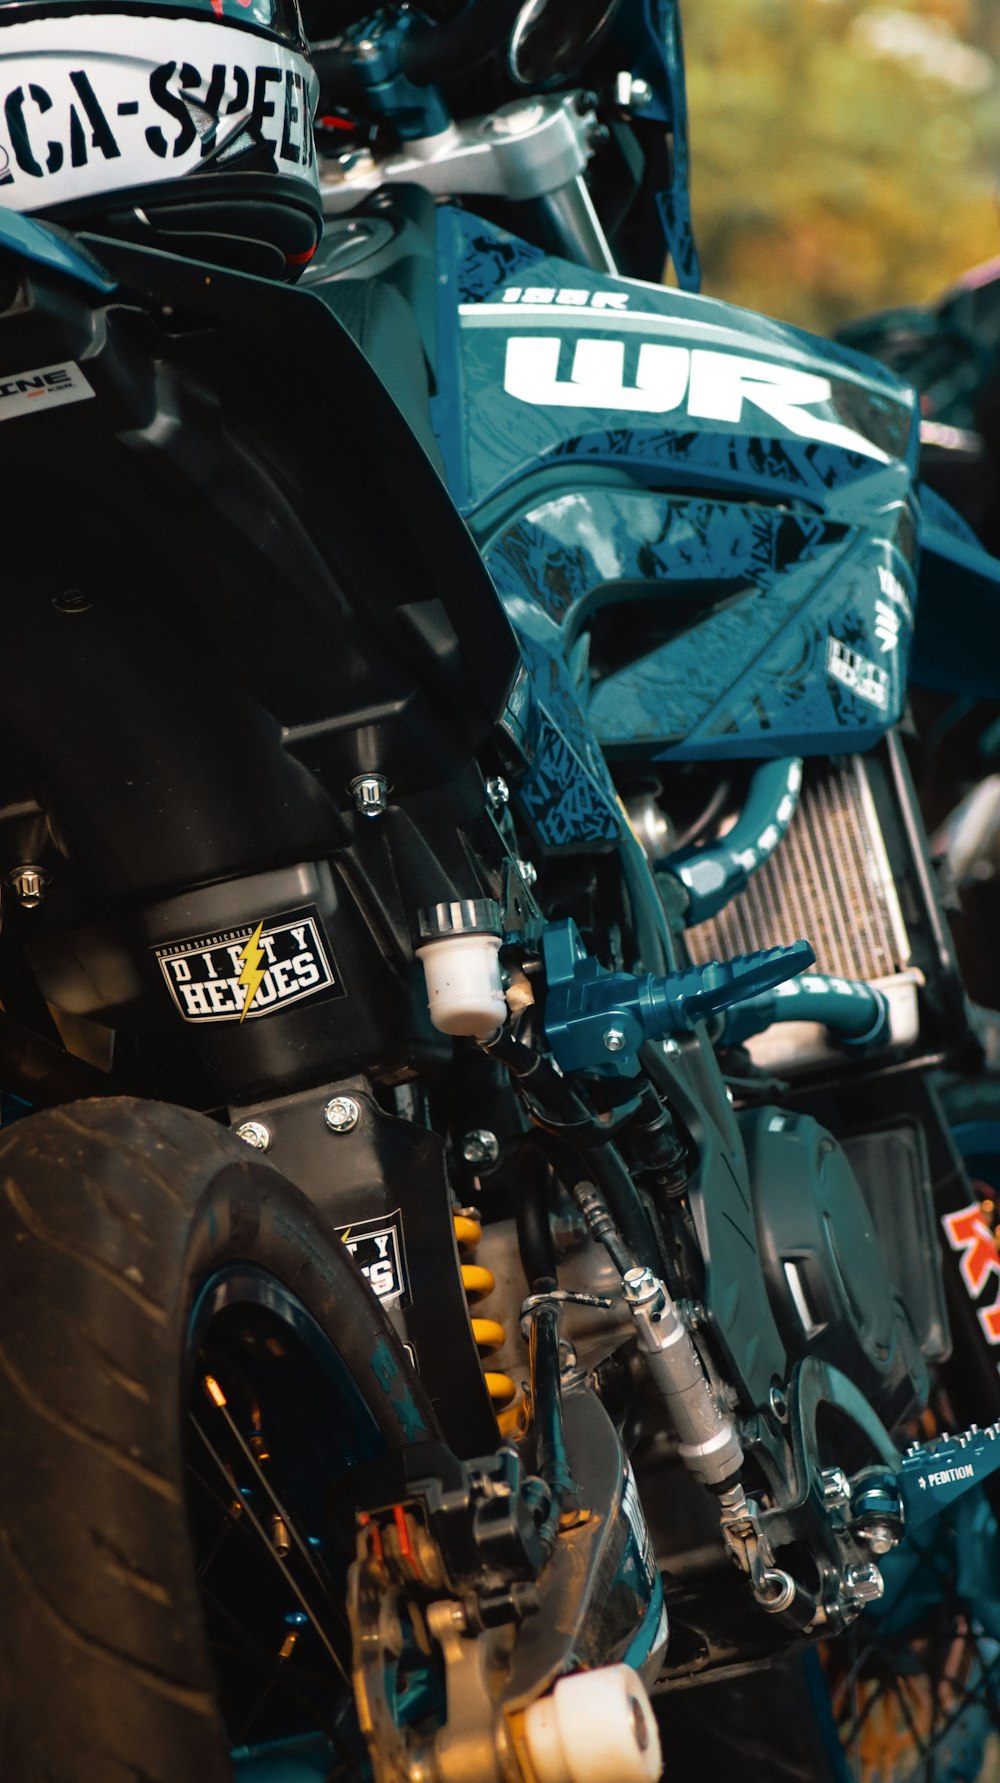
[(829, 883)]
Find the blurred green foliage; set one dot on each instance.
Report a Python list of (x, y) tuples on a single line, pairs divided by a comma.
[(845, 156)]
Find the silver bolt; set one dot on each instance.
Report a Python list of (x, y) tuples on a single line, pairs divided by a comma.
[(641, 95), (370, 793), (481, 1147), (864, 1584), (779, 1404), (254, 1133), (342, 1114), (836, 1489), (614, 1039), (498, 792), (880, 1535), (641, 1287), (29, 884), (528, 872)]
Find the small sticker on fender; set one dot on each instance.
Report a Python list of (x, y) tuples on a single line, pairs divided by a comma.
[(29, 392), (236, 975), (378, 1250), (854, 671)]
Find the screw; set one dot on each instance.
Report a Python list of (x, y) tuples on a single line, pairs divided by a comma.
[(72, 600), (481, 1147), (528, 872), (614, 1039), (880, 1535), (370, 793), (29, 883), (778, 1403), (836, 1489), (498, 792), (864, 1584), (641, 95), (342, 1114), (254, 1133)]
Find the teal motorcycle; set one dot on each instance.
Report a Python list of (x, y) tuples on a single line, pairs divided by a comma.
[(488, 1278)]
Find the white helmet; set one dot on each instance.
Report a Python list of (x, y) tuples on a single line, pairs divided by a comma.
[(165, 120)]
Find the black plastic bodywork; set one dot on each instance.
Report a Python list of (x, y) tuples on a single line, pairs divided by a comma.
[(393, 1171)]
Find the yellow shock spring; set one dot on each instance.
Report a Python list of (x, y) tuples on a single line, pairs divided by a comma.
[(489, 1334)]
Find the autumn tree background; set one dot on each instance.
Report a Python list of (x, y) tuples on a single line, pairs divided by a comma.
[(846, 156)]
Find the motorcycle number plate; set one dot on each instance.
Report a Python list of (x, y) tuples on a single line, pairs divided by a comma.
[(244, 973)]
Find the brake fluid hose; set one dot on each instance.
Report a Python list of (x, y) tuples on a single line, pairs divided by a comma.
[(712, 876), (854, 1014)]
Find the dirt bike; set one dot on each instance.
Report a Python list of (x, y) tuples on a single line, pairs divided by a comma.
[(468, 1282)]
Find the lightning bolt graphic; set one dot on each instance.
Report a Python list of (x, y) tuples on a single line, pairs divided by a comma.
[(251, 972)]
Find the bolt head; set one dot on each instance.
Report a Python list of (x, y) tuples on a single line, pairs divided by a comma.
[(528, 872), (342, 1114), (880, 1535), (370, 793), (498, 792), (29, 884), (481, 1147), (864, 1584), (614, 1039), (778, 1403), (641, 95), (254, 1133), (72, 600), (836, 1489)]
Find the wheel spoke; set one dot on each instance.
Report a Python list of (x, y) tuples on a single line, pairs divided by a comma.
[(278, 1561)]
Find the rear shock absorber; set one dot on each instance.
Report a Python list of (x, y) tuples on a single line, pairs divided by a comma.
[(489, 1334)]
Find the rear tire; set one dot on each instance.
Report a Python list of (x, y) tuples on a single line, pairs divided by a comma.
[(112, 1215)]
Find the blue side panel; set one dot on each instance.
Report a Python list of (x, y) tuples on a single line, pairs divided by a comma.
[(613, 441), (806, 587), (47, 246)]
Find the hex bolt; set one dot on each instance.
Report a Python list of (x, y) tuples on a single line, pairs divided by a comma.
[(254, 1133), (28, 883), (342, 1114), (864, 1584), (528, 872), (481, 1147), (836, 1489), (779, 1404), (614, 1039), (370, 793), (498, 792)]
